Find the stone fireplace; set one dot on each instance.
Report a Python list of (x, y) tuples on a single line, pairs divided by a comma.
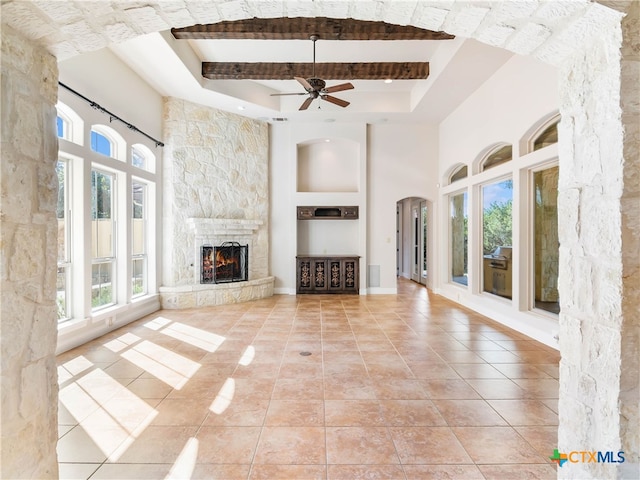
[(219, 275), (215, 191)]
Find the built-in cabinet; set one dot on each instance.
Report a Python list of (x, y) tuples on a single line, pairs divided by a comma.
[(327, 274), (327, 238)]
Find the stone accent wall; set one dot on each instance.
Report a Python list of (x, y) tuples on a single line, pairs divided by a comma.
[(215, 165), (629, 395), (28, 242), (598, 283)]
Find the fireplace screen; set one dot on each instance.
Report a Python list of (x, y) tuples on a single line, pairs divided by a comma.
[(225, 263)]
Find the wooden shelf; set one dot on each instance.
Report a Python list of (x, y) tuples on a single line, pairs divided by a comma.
[(328, 213)]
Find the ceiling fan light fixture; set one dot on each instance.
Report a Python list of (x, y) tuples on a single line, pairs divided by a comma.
[(316, 87)]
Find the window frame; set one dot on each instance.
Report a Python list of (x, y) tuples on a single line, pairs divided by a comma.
[(450, 196), (113, 259), (480, 247), (531, 254), (482, 164), (67, 262), (144, 255)]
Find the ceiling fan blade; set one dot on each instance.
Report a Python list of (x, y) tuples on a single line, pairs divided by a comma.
[(338, 88), (304, 83), (336, 101), (306, 103), (280, 94)]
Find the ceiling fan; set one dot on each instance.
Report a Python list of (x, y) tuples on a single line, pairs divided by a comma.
[(316, 87)]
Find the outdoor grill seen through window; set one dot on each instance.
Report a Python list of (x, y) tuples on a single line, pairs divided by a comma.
[(225, 263)]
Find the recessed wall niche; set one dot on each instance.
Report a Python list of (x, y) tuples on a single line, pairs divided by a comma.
[(328, 165)]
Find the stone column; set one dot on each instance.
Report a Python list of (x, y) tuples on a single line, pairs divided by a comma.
[(599, 233), (28, 244), (629, 398)]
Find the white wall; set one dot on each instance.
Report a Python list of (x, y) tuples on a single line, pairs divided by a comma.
[(402, 163), (105, 79), (396, 166), (284, 197), (492, 113), (503, 109)]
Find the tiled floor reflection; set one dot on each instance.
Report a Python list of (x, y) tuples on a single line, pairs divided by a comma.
[(408, 386)]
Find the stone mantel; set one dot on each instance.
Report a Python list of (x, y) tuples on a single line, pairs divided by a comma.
[(218, 227)]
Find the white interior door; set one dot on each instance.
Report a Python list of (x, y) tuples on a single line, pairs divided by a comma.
[(423, 242), (415, 243), (398, 239)]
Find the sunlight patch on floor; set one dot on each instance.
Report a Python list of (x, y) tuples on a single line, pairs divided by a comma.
[(186, 462), (224, 397), (170, 367)]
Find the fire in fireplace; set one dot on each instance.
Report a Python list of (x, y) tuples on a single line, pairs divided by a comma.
[(225, 263)]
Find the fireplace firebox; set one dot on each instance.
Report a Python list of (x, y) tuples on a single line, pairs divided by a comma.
[(228, 262)]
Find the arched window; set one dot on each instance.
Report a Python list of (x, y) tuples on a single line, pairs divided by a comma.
[(547, 137), (62, 127), (106, 141), (458, 174), (142, 157), (541, 134), (69, 125), (498, 156), (100, 143)]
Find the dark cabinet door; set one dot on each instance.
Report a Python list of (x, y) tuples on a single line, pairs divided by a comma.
[(327, 274)]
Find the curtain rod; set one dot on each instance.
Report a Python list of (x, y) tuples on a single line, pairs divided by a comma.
[(112, 116)]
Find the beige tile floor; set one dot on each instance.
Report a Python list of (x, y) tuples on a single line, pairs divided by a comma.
[(406, 386)]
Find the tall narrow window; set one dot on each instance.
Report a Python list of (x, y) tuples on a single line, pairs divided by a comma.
[(459, 238), (546, 245), (497, 203), (138, 238), (63, 279), (103, 235)]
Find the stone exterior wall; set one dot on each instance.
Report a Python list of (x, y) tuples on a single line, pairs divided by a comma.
[(28, 243), (215, 165)]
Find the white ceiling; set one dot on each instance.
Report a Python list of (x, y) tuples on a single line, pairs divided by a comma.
[(457, 68)]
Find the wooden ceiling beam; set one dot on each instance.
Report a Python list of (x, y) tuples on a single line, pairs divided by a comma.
[(301, 28), (326, 71)]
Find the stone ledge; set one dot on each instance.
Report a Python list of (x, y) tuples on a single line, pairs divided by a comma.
[(203, 227), (193, 296)]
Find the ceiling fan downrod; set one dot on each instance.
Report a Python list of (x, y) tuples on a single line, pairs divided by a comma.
[(313, 39)]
